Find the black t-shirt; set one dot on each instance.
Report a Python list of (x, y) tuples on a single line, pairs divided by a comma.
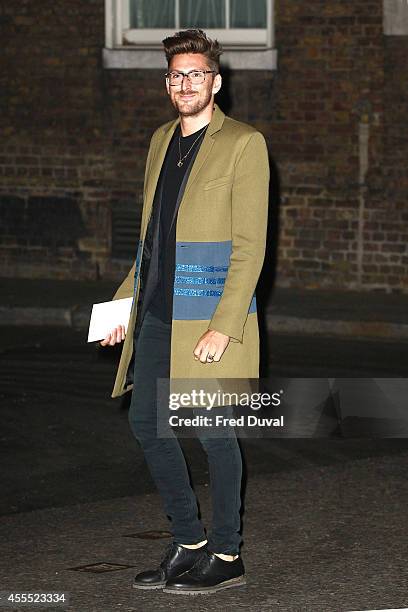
[(161, 303)]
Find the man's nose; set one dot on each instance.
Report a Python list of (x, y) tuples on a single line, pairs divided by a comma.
[(185, 86)]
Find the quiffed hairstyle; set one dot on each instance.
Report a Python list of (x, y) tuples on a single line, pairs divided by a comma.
[(193, 40)]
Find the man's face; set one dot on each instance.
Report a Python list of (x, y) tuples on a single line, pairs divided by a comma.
[(189, 99)]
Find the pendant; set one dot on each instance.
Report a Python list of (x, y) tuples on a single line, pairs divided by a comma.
[(179, 163)]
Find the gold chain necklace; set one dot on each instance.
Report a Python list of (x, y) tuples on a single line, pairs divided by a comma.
[(181, 159)]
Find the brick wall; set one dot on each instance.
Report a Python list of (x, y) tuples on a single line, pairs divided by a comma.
[(74, 136), (339, 107)]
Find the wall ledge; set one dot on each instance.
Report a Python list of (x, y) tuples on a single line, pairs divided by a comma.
[(142, 58)]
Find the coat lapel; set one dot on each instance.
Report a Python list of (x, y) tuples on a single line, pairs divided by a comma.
[(157, 163), (205, 149)]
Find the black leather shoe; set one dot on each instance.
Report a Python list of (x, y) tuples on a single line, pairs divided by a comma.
[(176, 561), (209, 575)]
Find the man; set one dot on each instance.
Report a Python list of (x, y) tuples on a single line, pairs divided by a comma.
[(201, 250)]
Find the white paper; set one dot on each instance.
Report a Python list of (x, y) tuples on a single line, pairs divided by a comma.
[(106, 316)]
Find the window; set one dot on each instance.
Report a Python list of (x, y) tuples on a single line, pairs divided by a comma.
[(231, 21), (239, 25)]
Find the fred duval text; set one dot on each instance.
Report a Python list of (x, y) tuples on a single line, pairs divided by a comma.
[(248, 420)]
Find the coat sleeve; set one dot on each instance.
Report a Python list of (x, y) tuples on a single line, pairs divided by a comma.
[(126, 289), (249, 215)]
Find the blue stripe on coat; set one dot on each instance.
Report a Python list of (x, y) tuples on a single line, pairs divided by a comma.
[(195, 258), (196, 292), (195, 268), (199, 280)]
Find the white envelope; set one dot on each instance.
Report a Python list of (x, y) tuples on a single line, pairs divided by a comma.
[(106, 316)]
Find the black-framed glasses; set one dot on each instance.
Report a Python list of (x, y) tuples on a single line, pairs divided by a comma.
[(196, 77)]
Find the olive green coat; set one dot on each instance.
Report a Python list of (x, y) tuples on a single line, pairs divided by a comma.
[(221, 231)]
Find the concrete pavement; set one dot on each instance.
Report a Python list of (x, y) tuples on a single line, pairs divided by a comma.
[(317, 539)]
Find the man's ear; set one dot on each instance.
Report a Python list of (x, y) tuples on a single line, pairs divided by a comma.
[(217, 83)]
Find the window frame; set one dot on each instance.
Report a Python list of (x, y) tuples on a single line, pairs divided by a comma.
[(121, 41)]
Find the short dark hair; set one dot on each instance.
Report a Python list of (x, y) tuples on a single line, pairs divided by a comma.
[(193, 40)]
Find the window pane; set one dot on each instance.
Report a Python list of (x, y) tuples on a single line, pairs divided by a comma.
[(248, 13), (202, 13), (152, 14)]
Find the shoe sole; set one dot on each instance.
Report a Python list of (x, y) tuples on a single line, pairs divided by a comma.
[(233, 582), (149, 587)]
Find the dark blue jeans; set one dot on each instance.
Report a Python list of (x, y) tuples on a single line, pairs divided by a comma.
[(165, 457)]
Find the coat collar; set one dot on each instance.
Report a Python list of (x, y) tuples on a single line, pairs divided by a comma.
[(214, 126)]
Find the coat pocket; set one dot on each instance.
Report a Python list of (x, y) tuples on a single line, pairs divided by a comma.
[(218, 182)]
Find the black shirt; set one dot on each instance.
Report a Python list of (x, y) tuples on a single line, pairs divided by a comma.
[(161, 303)]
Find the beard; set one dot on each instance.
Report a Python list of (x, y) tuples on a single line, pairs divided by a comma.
[(192, 107)]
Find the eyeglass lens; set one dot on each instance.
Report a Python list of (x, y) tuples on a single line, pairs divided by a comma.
[(196, 77)]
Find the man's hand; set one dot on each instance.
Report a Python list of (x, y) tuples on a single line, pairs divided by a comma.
[(116, 336), (211, 346)]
